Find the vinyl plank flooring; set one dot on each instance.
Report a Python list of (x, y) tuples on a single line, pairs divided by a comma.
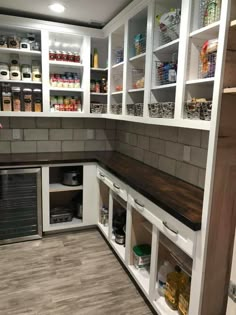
[(66, 274)]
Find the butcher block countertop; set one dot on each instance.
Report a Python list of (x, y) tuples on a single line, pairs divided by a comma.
[(180, 199)]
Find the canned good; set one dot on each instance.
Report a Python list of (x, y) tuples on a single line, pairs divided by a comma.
[(64, 56), (52, 54)]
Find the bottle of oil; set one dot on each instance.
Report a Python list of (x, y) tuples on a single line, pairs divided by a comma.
[(172, 288), (95, 58), (184, 295)]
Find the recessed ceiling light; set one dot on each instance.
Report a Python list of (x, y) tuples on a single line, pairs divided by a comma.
[(57, 7)]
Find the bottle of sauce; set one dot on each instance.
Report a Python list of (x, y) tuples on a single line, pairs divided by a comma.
[(95, 58), (172, 288)]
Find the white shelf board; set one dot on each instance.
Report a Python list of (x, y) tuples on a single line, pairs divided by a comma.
[(65, 64), (57, 187), (68, 114), (140, 56), (168, 48), (165, 86), (117, 93), (99, 94), (117, 65), (136, 90), (201, 81), (119, 249), (162, 308), (231, 90), (65, 89), (142, 277), (103, 229), (209, 31), (99, 69), (75, 223), (21, 114), (20, 51), (233, 23), (20, 81)]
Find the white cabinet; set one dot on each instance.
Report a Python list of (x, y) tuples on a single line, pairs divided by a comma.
[(55, 195)]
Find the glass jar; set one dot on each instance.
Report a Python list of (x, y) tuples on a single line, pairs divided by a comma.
[(104, 85), (37, 96), (16, 98), (6, 102), (35, 46), (25, 44), (4, 71), (93, 86), (26, 74), (52, 54), (27, 95), (71, 56), (3, 41), (36, 71), (13, 42), (15, 72), (77, 57)]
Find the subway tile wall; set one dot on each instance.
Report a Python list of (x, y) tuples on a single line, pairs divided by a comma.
[(56, 135), (177, 151)]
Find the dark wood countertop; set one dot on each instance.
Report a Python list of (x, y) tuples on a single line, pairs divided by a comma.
[(182, 200)]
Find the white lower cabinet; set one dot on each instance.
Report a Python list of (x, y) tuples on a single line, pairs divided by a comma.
[(56, 195), (148, 224)]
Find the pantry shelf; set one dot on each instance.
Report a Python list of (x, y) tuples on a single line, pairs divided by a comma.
[(117, 65), (136, 90), (19, 81), (65, 89), (57, 187), (119, 249), (117, 93), (103, 229), (231, 90), (162, 308), (99, 69), (98, 94), (66, 225), (142, 277), (165, 86), (201, 81), (141, 56), (20, 51), (209, 31), (168, 48), (65, 64)]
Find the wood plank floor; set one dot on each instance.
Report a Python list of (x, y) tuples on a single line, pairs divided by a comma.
[(67, 274)]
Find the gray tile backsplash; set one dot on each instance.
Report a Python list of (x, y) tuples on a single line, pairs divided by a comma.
[(178, 151), (56, 135)]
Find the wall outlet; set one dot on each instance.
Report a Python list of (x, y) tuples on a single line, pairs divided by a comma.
[(187, 153), (16, 135)]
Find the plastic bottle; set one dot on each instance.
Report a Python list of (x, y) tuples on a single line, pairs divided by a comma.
[(95, 58), (164, 270)]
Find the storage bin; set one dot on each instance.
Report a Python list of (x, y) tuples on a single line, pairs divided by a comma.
[(96, 108), (161, 110), (166, 72), (130, 109), (142, 256), (198, 109), (116, 109), (138, 109), (169, 25)]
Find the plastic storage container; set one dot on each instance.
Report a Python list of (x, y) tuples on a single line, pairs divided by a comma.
[(142, 256), (16, 98), (164, 270)]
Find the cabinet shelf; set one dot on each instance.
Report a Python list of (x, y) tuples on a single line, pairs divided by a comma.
[(98, 94), (65, 89), (136, 90), (103, 229), (162, 307), (117, 65), (66, 225), (99, 69), (141, 56), (168, 48), (57, 187), (117, 93), (20, 81), (231, 90), (65, 64), (201, 81), (20, 51), (165, 86), (119, 249), (142, 277), (209, 31)]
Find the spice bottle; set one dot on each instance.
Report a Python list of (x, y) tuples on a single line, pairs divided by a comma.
[(16, 98), (37, 96), (27, 100)]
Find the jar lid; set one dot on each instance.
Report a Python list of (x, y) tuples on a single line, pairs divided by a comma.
[(15, 68), (15, 89), (27, 90), (37, 90)]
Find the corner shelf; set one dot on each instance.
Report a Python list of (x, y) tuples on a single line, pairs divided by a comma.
[(164, 86), (117, 65), (57, 187), (20, 51)]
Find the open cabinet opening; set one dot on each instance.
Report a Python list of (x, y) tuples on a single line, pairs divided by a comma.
[(104, 208)]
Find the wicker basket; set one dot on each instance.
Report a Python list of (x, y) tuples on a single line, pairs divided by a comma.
[(198, 110), (116, 109), (130, 109), (138, 109), (161, 110), (96, 108)]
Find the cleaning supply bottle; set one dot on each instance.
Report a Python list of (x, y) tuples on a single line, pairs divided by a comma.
[(164, 270), (172, 288), (95, 58)]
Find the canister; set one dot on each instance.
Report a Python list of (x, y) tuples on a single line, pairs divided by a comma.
[(27, 95), (36, 71), (16, 98), (37, 97), (6, 102), (15, 72), (26, 73), (4, 71), (25, 44)]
